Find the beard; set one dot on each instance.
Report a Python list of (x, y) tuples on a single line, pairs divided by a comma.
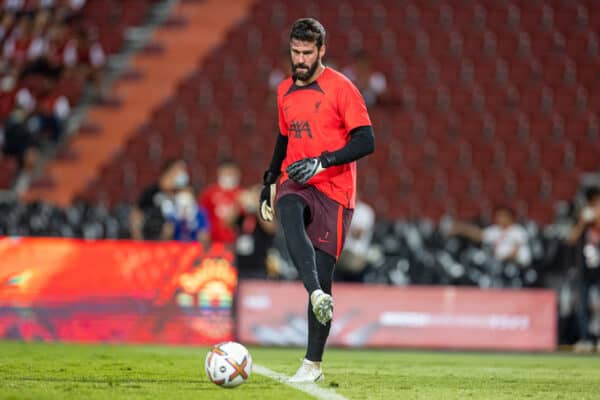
[(304, 75)]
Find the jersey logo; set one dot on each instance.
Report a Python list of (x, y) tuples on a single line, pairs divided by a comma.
[(298, 127), (317, 105), (324, 239)]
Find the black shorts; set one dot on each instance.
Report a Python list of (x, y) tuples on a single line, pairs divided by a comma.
[(329, 221)]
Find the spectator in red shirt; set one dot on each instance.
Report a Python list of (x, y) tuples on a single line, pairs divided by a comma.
[(221, 202)]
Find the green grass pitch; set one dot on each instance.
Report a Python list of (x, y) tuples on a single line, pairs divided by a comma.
[(68, 371)]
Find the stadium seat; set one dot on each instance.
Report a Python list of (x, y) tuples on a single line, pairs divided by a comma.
[(8, 166), (496, 95)]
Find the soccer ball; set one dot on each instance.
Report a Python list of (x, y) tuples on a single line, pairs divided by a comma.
[(228, 364)]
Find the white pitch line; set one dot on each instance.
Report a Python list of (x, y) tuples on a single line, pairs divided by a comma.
[(310, 388)]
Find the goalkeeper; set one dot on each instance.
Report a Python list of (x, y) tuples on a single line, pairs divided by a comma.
[(324, 128)]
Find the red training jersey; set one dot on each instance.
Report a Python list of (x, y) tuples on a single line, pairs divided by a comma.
[(221, 206), (319, 117)]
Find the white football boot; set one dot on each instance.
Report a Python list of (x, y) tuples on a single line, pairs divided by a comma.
[(309, 372), (583, 346), (322, 306)]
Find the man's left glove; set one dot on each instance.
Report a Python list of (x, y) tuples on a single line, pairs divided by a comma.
[(302, 170)]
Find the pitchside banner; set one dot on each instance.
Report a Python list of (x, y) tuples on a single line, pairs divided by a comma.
[(274, 313), (115, 291)]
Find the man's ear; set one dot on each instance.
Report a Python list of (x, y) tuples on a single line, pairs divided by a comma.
[(322, 51)]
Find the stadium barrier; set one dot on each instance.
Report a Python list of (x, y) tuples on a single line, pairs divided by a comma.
[(169, 292), (115, 291), (274, 313)]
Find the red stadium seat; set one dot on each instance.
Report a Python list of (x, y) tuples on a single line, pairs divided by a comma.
[(488, 101), (8, 166), (541, 212), (565, 184)]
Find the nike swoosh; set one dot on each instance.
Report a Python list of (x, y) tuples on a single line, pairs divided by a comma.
[(323, 241)]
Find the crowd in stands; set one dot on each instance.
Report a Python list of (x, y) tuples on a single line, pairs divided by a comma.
[(222, 212), (48, 51)]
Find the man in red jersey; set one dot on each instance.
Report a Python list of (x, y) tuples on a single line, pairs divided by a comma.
[(221, 202), (324, 128)]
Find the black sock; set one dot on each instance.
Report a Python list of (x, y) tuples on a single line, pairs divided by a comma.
[(317, 332)]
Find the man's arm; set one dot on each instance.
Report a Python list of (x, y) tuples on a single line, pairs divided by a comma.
[(267, 194), (586, 216), (136, 221), (362, 143), (470, 231), (575, 232), (279, 153)]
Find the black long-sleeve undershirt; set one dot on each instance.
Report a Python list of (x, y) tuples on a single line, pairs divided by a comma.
[(362, 143), (279, 153)]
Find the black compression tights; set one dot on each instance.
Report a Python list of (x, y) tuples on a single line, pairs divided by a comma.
[(314, 266)]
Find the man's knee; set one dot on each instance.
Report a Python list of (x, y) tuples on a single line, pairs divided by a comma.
[(290, 207)]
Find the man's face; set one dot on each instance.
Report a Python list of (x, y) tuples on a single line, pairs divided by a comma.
[(503, 218), (594, 202), (305, 58), (228, 176), (176, 176)]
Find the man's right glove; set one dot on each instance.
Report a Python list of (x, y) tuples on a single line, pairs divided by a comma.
[(267, 196)]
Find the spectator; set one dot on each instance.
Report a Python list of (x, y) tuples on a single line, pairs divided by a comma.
[(189, 221), (76, 6), (8, 90), (16, 46), (352, 263), (147, 220), (255, 237), (39, 37), (221, 202), (20, 137), (14, 6), (280, 71), (584, 239), (507, 240), (91, 60), (52, 111), (372, 84), (62, 49), (6, 25)]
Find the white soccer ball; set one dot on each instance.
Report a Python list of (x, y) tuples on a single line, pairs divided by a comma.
[(228, 364)]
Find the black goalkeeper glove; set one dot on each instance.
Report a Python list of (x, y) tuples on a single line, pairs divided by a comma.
[(302, 170), (267, 196)]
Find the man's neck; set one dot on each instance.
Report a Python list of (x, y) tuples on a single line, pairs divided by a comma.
[(313, 78)]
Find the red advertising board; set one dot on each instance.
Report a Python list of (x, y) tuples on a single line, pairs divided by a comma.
[(274, 313), (115, 291)]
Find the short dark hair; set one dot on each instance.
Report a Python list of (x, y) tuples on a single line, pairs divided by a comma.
[(308, 30), (169, 163), (505, 208), (591, 193), (227, 162)]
